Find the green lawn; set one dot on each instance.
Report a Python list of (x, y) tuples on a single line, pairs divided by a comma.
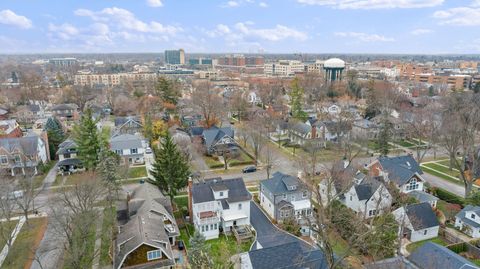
[(243, 159), (22, 252), (212, 163), (75, 179), (435, 173), (109, 216), (411, 247), (181, 201), (135, 172), (442, 169), (225, 246), (404, 143), (6, 229)]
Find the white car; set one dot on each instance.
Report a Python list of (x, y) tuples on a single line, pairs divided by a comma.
[(148, 150)]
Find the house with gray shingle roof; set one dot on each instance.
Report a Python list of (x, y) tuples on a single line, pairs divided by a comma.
[(285, 196), (404, 171), (20, 153), (431, 255), (370, 197), (422, 197), (417, 222), (218, 205), (217, 140), (68, 160), (147, 230), (129, 147), (468, 220)]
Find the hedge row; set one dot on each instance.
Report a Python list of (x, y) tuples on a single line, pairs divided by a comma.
[(449, 197)]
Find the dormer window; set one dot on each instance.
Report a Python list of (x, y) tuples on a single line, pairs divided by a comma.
[(221, 194), (473, 216)]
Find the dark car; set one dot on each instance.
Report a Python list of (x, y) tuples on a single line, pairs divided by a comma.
[(181, 246), (249, 169)]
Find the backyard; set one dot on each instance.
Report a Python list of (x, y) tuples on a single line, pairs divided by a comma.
[(438, 240)]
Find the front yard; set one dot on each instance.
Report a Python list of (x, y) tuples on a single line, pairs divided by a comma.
[(137, 171), (22, 253)]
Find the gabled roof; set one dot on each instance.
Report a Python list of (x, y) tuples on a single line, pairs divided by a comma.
[(276, 184), (400, 169), (28, 145), (289, 255), (366, 189), (214, 134), (462, 215), (203, 191), (66, 146), (64, 107), (145, 225), (422, 196), (431, 255), (399, 262), (421, 216), (119, 121), (125, 141)]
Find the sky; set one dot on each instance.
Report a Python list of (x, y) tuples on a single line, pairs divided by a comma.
[(240, 26)]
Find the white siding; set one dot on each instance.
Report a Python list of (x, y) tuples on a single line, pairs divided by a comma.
[(267, 205)]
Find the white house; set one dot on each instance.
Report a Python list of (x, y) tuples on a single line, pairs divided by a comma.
[(417, 222), (370, 197), (253, 98), (129, 147), (468, 220), (217, 205)]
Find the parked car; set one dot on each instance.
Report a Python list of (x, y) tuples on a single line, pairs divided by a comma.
[(148, 150), (249, 169)]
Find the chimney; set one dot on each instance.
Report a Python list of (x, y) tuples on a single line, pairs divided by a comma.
[(314, 131), (190, 209)]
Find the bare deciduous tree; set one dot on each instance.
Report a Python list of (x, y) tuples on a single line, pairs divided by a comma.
[(206, 98)]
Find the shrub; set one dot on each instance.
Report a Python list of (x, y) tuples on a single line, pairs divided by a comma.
[(449, 197)]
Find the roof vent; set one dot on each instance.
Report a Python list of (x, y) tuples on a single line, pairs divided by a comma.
[(408, 164)]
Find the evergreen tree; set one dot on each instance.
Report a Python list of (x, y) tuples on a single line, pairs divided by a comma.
[(431, 91), (170, 171), (108, 166), (197, 253), (55, 133), (166, 89), (296, 100), (384, 135), (88, 140)]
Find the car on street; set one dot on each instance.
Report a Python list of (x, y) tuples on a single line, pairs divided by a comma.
[(249, 169)]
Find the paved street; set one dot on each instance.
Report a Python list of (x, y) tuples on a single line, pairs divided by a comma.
[(268, 235), (444, 184)]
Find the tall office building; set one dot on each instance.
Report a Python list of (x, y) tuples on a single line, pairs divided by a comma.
[(175, 56)]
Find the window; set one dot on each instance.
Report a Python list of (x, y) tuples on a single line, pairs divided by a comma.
[(240, 206), (3, 159), (413, 185), (425, 232), (134, 151), (119, 151), (292, 197), (215, 226), (372, 212), (284, 196), (304, 194), (473, 216), (154, 255), (17, 158), (211, 227), (206, 228), (67, 156), (281, 214), (203, 228), (221, 193), (351, 197)]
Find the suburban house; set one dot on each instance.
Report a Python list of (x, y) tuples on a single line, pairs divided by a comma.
[(20, 153), (10, 129), (404, 171), (288, 255), (147, 230), (29, 113), (301, 133), (65, 111), (128, 125), (284, 196), (344, 176), (431, 255), (129, 147), (369, 197), (422, 197), (219, 205), (218, 140), (468, 220), (428, 256), (67, 157), (365, 129), (417, 222), (398, 126)]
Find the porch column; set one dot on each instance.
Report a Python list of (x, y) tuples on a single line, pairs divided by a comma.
[(12, 171)]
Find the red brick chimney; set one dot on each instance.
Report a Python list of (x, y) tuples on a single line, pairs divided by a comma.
[(190, 209)]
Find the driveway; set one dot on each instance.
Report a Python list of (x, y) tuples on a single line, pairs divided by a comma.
[(268, 235)]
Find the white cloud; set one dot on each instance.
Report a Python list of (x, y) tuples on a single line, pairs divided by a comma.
[(64, 31), (463, 16), (9, 17), (364, 37), (263, 4), (475, 3), (373, 4), (231, 4), (126, 20), (421, 31), (155, 3), (279, 32)]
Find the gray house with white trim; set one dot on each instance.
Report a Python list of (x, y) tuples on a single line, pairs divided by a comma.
[(417, 222), (468, 220)]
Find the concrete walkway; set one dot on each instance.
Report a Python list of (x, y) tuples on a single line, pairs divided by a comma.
[(98, 242), (15, 232)]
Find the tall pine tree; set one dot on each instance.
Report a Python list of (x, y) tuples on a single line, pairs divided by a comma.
[(170, 171), (88, 140), (55, 133)]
